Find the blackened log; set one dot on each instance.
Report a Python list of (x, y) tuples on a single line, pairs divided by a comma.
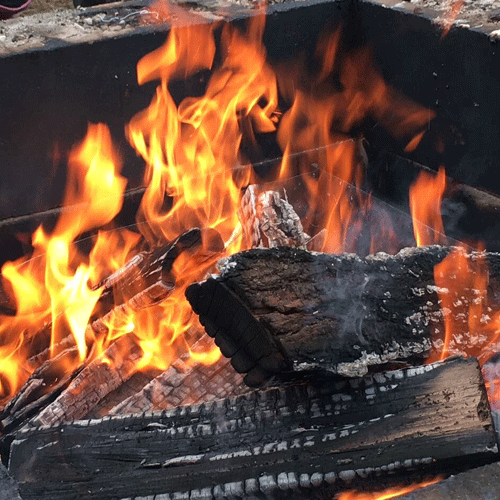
[(296, 441), (156, 266), (339, 312), (478, 484)]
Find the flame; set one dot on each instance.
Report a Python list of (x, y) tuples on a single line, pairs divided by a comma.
[(426, 194), (451, 14), (387, 494), (195, 172), (52, 287)]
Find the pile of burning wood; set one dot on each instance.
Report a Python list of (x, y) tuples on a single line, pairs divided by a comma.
[(338, 370)]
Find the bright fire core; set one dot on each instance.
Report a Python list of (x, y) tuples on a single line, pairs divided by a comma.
[(195, 174)]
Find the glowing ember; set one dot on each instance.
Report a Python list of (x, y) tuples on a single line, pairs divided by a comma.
[(387, 494)]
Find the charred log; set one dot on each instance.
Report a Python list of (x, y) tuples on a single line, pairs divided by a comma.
[(297, 441), (271, 308)]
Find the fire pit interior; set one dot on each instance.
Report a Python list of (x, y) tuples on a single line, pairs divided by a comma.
[(255, 260)]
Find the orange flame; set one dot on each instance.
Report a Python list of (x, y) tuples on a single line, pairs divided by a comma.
[(462, 281), (387, 494), (450, 16), (53, 284), (194, 178), (426, 195)]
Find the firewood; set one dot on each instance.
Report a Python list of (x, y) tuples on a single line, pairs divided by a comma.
[(271, 309), (268, 221), (92, 383), (149, 270), (297, 441), (184, 383)]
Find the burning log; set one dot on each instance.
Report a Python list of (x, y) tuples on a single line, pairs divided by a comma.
[(297, 440), (184, 384), (144, 282), (92, 383), (271, 309)]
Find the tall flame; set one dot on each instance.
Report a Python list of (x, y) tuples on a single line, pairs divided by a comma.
[(195, 171), (53, 286)]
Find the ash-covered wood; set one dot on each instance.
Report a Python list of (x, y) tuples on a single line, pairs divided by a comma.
[(268, 221), (339, 312), (184, 384), (93, 383), (297, 441)]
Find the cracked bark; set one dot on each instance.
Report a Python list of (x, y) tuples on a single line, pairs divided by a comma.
[(299, 441), (273, 310)]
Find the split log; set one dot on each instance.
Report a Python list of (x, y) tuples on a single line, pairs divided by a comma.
[(297, 441), (271, 309), (269, 221), (93, 383), (185, 383)]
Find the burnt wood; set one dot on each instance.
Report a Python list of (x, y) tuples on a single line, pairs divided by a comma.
[(296, 441), (270, 309)]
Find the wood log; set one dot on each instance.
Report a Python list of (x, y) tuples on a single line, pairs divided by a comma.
[(271, 309), (268, 221), (299, 441), (185, 383), (92, 384)]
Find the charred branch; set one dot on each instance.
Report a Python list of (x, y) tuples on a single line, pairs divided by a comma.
[(297, 441), (270, 309)]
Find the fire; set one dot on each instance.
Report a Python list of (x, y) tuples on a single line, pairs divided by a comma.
[(195, 173), (426, 195), (387, 494), (52, 288), (451, 14)]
